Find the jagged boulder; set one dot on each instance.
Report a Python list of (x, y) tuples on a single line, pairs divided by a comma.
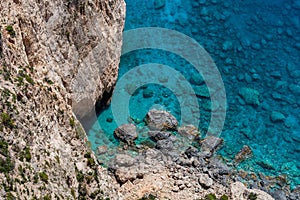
[(127, 133), (205, 181), (161, 120), (189, 131), (165, 144)]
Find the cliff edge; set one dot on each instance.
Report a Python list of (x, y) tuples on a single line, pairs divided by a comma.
[(57, 58)]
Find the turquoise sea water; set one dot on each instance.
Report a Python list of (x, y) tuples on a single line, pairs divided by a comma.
[(255, 46)]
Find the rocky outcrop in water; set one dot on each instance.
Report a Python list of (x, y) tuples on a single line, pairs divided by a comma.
[(174, 169)]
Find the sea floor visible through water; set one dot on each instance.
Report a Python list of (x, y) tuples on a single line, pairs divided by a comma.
[(256, 47)]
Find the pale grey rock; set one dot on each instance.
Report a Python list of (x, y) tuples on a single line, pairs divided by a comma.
[(127, 133), (161, 120), (240, 192), (210, 144), (189, 131), (102, 149), (123, 160), (165, 144), (205, 181)]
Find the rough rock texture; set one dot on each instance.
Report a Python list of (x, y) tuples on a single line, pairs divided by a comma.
[(76, 44), (189, 131), (240, 192), (161, 120), (243, 154), (55, 57), (127, 133)]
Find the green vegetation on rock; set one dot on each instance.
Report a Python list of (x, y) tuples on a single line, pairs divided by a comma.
[(6, 165), (44, 177), (148, 197), (252, 196), (72, 122), (11, 31), (210, 197), (7, 121)]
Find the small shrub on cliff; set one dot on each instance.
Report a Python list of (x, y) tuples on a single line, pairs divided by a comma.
[(79, 176), (26, 154), (72, 122), (11, 31), (90, 160), (10, 196), (224, 197), (35, 178), (252, 196), (148, 197), (44, 177), (6, 165), (47, 197), (210, 197), (48, 81), (7, 121)]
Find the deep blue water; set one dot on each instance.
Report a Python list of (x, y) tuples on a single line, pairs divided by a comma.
[(255, 45)]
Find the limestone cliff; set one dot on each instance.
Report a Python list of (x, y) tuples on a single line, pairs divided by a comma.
[(57, 57)]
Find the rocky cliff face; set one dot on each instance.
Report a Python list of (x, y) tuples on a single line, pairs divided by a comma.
[(76, 44), (56, 57)]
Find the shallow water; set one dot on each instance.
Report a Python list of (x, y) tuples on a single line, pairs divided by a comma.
[(254, 44)]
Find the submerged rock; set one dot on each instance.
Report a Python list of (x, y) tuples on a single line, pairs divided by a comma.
[(250, 96), (158, 4), (243, 154), (161, 120), (196, 79), (102, 149), (127, 133), (147, 93), (202, 91), (277, 117)]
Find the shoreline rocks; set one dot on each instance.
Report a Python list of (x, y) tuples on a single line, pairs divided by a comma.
[(126, 133), (161, 120)]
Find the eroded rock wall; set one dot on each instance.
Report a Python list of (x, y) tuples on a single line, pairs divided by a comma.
[(57, 58), (76, 44)]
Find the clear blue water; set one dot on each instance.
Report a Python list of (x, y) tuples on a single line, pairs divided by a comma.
[(254, 44)]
